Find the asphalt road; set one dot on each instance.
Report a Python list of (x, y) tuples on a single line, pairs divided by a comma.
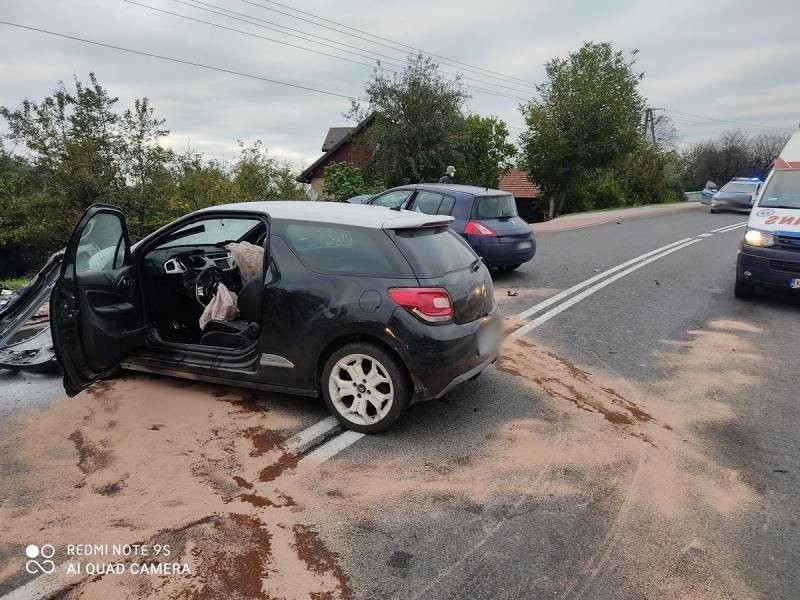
[(640, 444), (598, 541)]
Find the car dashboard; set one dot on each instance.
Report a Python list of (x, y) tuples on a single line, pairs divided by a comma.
[(187, 262), (169, 278)]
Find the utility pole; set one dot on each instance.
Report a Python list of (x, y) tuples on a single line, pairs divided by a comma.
[(650, 124)]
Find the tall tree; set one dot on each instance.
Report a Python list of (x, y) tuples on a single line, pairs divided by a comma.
[(73, 142), (586, 117), (148, 197), (486, 151), (765, 148), (734, 153), (418, 122)]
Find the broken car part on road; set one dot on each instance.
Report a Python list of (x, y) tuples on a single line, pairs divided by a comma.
[(32, 351)]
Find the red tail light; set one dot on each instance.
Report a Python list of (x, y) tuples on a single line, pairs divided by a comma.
[(432, 305), (476, 228)]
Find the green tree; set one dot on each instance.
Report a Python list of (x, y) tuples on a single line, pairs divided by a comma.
[(16, 182), (486, 151), (73, 144), (260, 176), (343, 181), (585, 118), (418, 122), (202, 183), (76, 148), (148, 197), (649, 175)]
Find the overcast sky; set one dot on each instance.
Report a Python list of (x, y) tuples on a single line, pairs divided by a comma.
[(735, 61)]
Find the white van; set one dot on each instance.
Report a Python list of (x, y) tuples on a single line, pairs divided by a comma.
[(769, 254)]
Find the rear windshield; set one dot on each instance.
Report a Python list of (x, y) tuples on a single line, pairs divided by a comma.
[(782, 191), (494, 207), (346, 250), (735, 186), (434, 251)]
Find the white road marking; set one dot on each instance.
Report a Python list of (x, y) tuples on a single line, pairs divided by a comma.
[(329, 449), (723, 229), (561, 295), (705, 235), (543, 318), (300, 441), (731, 228)]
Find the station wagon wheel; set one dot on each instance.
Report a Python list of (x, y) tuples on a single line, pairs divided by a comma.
[(365, 387)]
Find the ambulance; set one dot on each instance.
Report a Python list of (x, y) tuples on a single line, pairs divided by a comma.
[(769, 254)]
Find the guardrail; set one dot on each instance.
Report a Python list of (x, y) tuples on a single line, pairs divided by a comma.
[(693, 196)]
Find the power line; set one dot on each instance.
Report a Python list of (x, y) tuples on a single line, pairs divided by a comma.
[(161, 10), (702, 118), (304, 35), (444, 59), (185, 62), (180, 61)]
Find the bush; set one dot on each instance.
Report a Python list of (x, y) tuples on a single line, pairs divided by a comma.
[(343, 181)]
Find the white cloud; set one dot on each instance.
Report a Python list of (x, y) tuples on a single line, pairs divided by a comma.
[(728, 60)]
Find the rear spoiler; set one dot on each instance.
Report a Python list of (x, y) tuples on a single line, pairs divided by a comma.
[(417, 221)]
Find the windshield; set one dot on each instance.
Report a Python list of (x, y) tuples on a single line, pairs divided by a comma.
[(210, 231), (495, 207), (782, 191), (739, 186)]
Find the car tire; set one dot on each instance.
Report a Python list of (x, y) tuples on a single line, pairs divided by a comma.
[(358, 410), (743, 289), (509, 268)]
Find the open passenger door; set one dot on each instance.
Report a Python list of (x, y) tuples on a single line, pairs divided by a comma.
[(95, 307)]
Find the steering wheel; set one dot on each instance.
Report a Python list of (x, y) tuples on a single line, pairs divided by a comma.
[(206, 282)]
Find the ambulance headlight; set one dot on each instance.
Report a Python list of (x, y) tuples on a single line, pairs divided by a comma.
[(762, 239)]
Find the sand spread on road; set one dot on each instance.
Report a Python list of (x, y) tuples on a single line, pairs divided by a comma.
[(204, 469)]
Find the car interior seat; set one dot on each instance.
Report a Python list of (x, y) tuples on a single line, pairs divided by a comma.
[(243, 331)]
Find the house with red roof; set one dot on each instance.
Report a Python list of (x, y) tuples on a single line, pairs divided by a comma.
[(516, 182)]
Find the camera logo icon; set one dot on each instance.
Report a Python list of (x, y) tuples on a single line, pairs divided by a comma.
[(43, 554)]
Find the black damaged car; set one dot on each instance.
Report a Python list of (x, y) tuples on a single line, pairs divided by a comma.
[(373, 308)]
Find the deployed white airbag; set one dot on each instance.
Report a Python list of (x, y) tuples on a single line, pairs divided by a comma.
[(221, 308), (249, 258)]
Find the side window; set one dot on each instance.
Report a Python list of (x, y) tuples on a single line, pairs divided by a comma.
[(102, 246), (428, 202), (340, 249), (446, 207), (392, 199)]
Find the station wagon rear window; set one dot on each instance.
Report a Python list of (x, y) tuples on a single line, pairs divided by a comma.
[(494, 207), (742, 188), (344, 250)]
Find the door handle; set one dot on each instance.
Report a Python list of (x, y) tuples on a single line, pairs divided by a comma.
[(119, 310)]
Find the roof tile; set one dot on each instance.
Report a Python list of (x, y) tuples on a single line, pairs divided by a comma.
[(516, 182)]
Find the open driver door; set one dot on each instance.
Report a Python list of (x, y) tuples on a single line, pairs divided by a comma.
[(95, 308)]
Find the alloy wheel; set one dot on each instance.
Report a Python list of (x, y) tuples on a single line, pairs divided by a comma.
[(361, 389)]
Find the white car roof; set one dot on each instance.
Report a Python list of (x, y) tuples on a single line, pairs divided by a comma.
[(339, 213)]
